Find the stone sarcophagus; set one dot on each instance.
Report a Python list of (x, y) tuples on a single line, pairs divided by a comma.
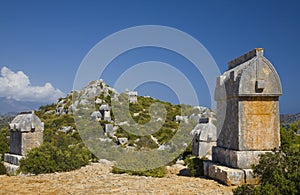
[(248, 114), (249, 93), (26, 133)]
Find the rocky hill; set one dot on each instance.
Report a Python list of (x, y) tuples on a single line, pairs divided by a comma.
[(97, 97), (111, 121)]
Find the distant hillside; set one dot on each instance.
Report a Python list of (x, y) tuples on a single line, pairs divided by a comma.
[(11, 105), (289, 118)]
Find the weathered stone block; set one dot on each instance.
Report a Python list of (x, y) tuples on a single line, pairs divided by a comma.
[(12, 158), (259, 124), (225, 175), (235, 158), (250, 124), (229, 176)]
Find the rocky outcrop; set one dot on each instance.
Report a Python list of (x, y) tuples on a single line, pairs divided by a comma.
[(98, 96)]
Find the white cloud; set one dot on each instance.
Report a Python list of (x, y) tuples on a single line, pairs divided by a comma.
[(16, 85)]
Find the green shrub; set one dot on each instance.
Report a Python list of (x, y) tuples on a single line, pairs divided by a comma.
[(2, 169), (246, 189), (48, 159), (158, 172), (288, 137), (195, 166), (4, 142), (164, 134), (146, 142)]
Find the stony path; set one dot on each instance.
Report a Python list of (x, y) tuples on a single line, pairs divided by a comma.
[(97, 179)]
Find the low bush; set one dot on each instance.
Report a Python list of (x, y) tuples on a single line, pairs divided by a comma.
[(2, 169), (195, 166), (48, 159), (246, 189), (4, 142)]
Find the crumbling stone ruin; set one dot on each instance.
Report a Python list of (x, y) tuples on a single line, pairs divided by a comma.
[(105, 112), (26, 133), (204, 138), (248, 118), (132, 97), (102, 114)]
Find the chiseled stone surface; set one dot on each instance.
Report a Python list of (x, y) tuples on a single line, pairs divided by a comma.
[(259, 124), (229, 176), (31, 140)]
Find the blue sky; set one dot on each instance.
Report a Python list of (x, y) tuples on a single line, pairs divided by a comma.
[(47, 40)]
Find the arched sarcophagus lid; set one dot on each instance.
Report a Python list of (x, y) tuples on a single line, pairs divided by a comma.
[(26, 122), (255, 74)]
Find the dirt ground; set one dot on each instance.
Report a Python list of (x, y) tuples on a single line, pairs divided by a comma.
[(97, 179)]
